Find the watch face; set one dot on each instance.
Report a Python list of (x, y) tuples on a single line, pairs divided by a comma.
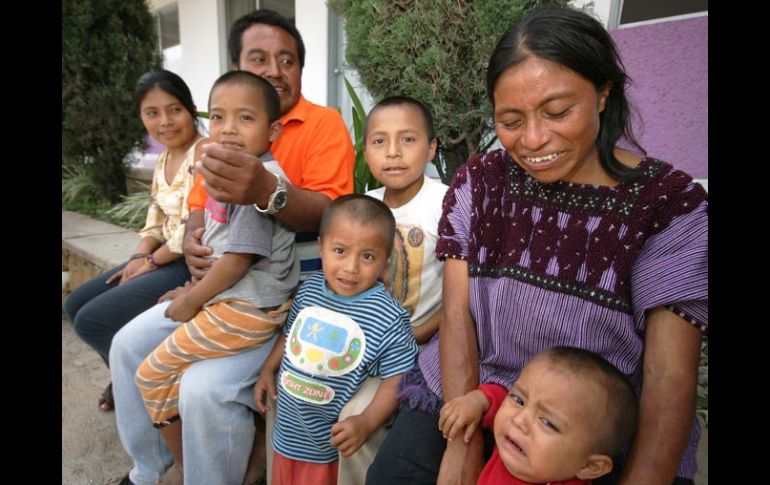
[(280, 199)]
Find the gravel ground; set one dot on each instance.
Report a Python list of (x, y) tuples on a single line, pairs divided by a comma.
[(91, 450)]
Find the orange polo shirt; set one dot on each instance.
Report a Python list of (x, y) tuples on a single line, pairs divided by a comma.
[(314, 150)]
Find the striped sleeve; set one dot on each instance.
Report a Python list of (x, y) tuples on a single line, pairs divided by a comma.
[(672, 270), (454, 227), (399, 349)]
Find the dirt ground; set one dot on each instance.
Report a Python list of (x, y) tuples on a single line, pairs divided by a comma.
[(91, 453)]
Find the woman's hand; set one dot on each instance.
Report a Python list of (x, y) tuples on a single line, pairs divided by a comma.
[(129, 272), (667, 401)]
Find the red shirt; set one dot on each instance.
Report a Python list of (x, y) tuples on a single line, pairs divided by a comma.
[(494, 472)]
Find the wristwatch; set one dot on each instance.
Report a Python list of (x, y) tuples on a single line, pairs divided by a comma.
[(278, 198)]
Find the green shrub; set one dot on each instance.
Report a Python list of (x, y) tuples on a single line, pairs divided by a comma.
[(80, 194), (106, 46), (435, 51), (131, 211)]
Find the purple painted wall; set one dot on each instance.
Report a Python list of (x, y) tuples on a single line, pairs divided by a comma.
[(668, 64), (153, 145)]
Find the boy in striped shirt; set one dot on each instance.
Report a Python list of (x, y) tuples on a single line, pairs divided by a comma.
[(343, 327)]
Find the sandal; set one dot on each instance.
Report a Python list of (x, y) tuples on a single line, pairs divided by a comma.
[(106, 401)]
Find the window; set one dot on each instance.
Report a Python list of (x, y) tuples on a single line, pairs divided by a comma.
[(168, 26), (633, 11), (234, 9)]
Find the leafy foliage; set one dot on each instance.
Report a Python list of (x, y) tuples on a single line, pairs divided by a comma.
[(435, 51), (131, 211), (79, 193), (363, 179), (106, 46)]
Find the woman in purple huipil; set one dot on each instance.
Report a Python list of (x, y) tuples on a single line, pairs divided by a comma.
[(562, 238)]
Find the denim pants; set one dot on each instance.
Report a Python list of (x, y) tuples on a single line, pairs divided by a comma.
[(412, 450), (98, 310), (215, 404)]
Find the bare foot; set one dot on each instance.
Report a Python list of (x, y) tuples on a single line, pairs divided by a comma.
[(257, 464), (173, 476), (106, 401)]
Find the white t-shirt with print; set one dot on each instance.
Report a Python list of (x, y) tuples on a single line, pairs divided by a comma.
[(415, 275)]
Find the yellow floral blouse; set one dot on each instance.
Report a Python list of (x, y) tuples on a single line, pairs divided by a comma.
[(168, 211)]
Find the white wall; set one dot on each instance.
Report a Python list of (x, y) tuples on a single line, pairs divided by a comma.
[(604, 10), (199, 63), (199, 32), (313, 24)]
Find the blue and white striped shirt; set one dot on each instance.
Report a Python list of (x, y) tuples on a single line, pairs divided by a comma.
[(333, 343)]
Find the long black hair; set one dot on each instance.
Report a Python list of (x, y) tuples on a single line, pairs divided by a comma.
[(168, 82), (579, 42)]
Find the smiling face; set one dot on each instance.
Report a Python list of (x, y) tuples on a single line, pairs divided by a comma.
[(398, 148), (353, 255), (238, 118), (547, 118), (546, 429), (271, 52), (167, 120)]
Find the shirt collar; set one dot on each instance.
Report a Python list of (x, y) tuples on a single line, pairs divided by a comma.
[(299, 112)]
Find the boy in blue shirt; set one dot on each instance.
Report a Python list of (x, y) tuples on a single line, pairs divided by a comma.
[(343, 327)]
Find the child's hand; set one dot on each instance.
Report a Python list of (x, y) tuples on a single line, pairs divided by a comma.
[(181, 310), (350, 434), (264, 388), (463, 412)]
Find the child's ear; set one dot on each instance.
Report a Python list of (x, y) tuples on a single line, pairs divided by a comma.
[(432, 149), (596, 466), (276, 128)]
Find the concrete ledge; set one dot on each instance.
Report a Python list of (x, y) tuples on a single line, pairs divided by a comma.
[(90, 247)]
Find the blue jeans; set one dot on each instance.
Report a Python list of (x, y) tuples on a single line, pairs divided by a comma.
[(412, 451), (98, 310), (215, 404)]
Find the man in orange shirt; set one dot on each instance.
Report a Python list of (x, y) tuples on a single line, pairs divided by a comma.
[(215, 396), (314, 149)]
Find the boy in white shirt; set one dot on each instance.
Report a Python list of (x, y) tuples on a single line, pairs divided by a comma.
[(399, 142)]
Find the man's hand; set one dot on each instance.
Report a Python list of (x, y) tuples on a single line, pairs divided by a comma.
[(234, 177), (176, 292), (196, 254)]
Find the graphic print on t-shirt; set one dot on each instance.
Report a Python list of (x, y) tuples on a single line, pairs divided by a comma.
[(405, 272), (325, 342)]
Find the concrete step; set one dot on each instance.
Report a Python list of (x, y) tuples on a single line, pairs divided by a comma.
[(90, 247)]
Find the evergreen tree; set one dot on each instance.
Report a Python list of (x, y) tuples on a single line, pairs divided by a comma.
[(435, 51), (106, 46)]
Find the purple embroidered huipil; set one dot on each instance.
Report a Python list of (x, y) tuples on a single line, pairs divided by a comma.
[(572, 264)]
